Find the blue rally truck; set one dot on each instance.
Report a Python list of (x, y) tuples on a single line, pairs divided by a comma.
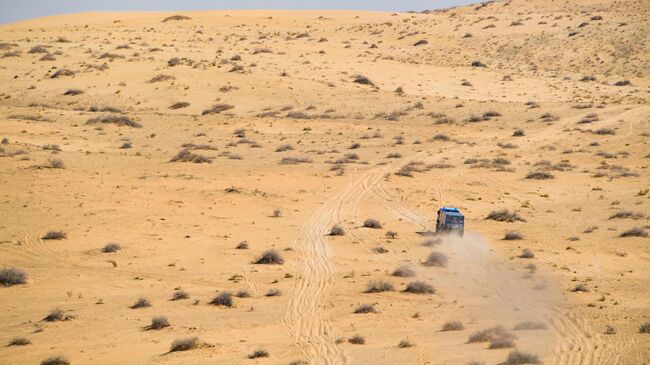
[(450, 220)]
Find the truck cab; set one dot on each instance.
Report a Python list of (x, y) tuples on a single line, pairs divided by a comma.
[(450, 220)]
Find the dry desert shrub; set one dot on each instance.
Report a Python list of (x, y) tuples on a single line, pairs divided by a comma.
[(176, 17), (111, 247), (12, 276), (337, 230), (517, 357), (142, 302), (180, 294), (644, 328), (357, 340), (158, 323), (626, 214), (259, 353), (294, 160), (273, 293), (223, 299), (405, 344), (73, 92), (436, 259), (186, 155), (185, 344), (243, 245), (54, 163), (57, 315), (243, 294), (635, 232), (504, 215), (118, 120), (372, 223), (270, 257), (62, 72), (284, 147), (19, 341), (403, 272), (513, 235), (161, 78), (419, 287), (179, 105), (365, 308), (55, 235), (526, 254), (490, 334), (217, 108), (56, 360), (363, 80), (453, 326), (379, 286), (539, 175), (580, 288)]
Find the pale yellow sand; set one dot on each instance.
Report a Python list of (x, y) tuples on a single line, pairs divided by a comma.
[(178, 226)]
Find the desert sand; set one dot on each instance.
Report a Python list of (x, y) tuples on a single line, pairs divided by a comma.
[(161, 155)]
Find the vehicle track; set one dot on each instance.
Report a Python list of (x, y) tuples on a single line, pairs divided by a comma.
[(305, 317)]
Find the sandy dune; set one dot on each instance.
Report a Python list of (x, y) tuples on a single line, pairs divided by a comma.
[(198, 143)]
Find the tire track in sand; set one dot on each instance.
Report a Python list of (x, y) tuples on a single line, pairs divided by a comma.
[(304, 316)]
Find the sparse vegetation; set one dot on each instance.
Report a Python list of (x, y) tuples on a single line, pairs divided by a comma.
[(294, 160), (357, 340), (403, 272), (526, 254), (580, 288), (56, 360), (19, 341), (405, 344), (179, 105), (217, 108), (142, 302), (360, 79), (55, 235), (273, 293), (453, 326), (420, 287), (365, 308), (118, 120), (372, 223), (635, 232), (12, 276), (158, 323), (180, 295), (259, 353), (436, 259), (176, 17), (185, 344), (490, 334), (270, 257), (504, 215), (517, 357), (337, 230), (539, 175), (644, 328), (379, 286), (513, 235), (111, 247), (186, 155), (57, 315), (223, 299)]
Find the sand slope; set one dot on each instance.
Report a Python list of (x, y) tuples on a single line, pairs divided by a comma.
[(304, 120)]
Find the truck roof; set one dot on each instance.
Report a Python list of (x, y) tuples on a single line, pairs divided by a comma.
[(449, 209)]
